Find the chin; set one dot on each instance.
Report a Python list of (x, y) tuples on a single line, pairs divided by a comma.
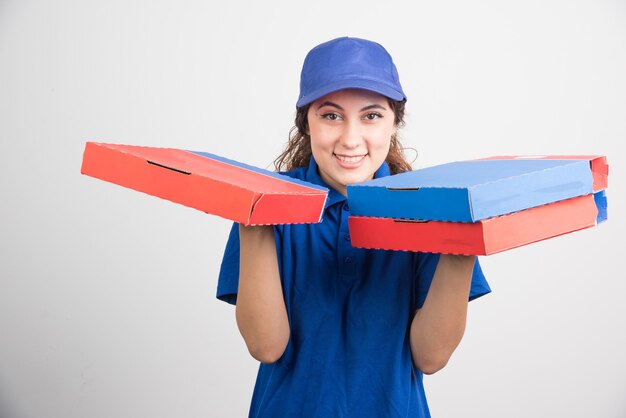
[(355, 179)]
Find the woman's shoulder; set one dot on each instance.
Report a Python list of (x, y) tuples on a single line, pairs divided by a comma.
[(297, 173)]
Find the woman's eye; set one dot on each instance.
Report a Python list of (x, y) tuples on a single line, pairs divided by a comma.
[(373, 116), (330, 116)]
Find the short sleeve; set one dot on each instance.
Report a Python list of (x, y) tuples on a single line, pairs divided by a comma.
[(426, 265), (480, 286), (228, 280)]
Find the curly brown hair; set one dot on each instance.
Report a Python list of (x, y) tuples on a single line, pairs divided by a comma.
[(297, 151)]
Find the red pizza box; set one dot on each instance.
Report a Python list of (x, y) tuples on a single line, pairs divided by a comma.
[(216, 185), (484, 237)]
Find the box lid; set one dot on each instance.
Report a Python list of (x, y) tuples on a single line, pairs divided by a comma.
[(598, 164), (213, 184), (468, 191)]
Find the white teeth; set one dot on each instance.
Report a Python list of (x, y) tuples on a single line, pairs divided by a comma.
[(355, 159)]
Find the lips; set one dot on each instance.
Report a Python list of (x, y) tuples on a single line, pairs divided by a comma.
[(350, 162)]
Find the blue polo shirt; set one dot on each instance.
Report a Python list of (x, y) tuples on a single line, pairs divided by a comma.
[(349, 313)]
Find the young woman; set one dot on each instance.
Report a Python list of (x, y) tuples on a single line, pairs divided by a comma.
[(342, 331)]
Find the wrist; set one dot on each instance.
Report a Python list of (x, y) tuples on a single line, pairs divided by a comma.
[(255, 229), (458, 261), (256, 233)]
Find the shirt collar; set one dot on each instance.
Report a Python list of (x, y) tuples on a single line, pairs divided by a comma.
[(333, 195)]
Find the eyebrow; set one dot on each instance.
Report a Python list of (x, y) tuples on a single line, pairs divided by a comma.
[(327, 103), (372, 106)]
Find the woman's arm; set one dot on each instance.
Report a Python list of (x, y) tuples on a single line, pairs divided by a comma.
[(260, 310), (437, 328)]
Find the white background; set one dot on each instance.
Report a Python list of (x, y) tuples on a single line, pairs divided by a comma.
[(107, 304)]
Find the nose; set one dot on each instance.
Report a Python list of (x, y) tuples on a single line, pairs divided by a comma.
[(351, 136)]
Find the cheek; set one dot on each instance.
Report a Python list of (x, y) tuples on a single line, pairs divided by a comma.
[(381, 138), (321, 137)]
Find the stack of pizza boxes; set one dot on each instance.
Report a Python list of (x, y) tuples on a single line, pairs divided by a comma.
[(479, 207), (207, 182)]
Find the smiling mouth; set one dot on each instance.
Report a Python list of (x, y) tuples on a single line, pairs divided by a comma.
[(350, 159)]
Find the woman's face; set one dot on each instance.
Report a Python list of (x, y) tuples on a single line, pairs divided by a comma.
[(350, 135)]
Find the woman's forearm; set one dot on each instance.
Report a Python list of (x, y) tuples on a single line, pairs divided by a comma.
[(437, 328), (260, 311)]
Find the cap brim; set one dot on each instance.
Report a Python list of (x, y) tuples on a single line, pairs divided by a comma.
[(371, 85)]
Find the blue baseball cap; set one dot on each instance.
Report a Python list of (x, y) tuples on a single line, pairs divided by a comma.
[(345, 63)]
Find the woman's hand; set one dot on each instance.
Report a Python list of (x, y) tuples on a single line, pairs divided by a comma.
[(437, 328)]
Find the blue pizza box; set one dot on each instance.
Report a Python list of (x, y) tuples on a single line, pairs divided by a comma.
[(469, 191)]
